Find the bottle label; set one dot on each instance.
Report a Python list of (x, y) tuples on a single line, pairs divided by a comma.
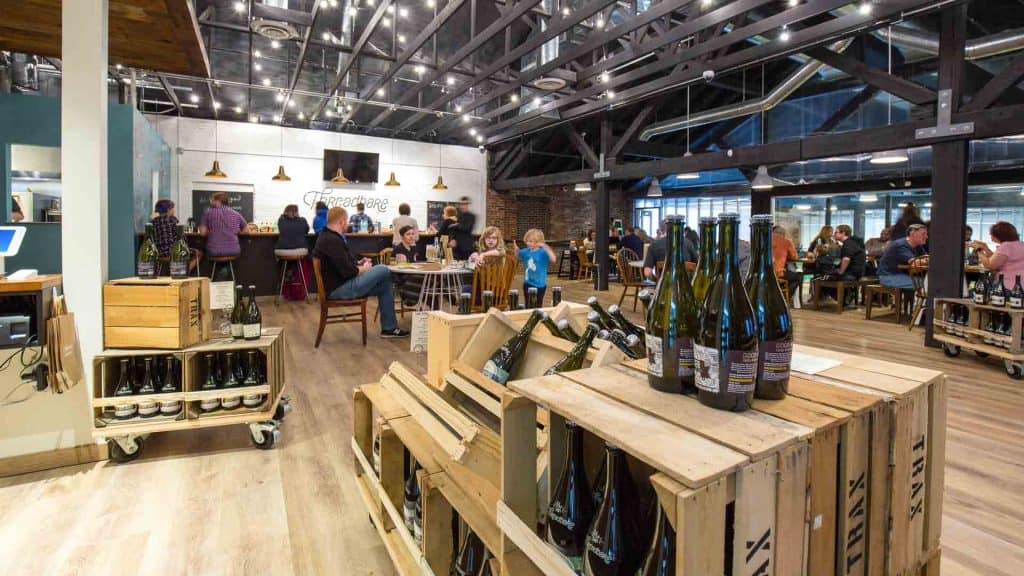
[(654, 360), (179, 268), (1016, 302), (735, 376), (417, 531), (254, 401), (169, 408), (495, 372), (998, 300), (774, 361), (237, 330), (148, 408), (560, 514), (684, 351), (251, 331), (409, 512), (596, 549), (979, 297), (144, 269), (123, 411)]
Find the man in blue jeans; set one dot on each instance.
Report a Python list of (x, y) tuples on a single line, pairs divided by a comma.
[(901, 252), (347, 279)]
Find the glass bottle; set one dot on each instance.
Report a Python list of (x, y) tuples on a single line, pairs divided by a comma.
[(613, 544), (471, 555), (488, 300), (568, 332), (575, 358), (997, 293), (513, 299), (531, 298), (1016, 296), (706, 260), (465, 303), (171, 385), (238, 315), (672, 320), (125, 387), (501, 363), (572, 507), (253, 320), (726, 347), (774, 324), (661, 556), (230, 381), (551, 326), (981, 290), (147, 263), (210, 383), (556, 295), (605, 320), (148, 408), (180, 255), (620, 319), (645, 297), (412, 496)]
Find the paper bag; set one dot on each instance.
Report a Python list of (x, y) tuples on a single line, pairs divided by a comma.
[(65, 356)]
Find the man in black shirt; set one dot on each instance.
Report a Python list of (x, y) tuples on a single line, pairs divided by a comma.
[(463, 234), (346, 279), (852, 258)]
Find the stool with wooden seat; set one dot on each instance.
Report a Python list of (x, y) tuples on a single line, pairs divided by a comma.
[(326, 304), (893, 295), (284, 260), (221, 260), (841, 286), (586, 267), (565, 261)]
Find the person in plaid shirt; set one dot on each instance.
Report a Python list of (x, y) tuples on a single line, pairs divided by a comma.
[(221, 226), (165, 228), (360, 222)]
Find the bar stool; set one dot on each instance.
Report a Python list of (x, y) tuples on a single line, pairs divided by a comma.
[(284, 260), (220, 260)]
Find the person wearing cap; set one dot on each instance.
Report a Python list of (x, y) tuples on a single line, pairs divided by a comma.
[(901, 252), (165, 231)]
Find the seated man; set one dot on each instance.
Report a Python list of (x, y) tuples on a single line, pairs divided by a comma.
[(783, 252), (852, 259), (902, 252), (346, 279), (656, 253)]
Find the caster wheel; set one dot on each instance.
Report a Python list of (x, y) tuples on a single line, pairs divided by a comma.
[(951, 350), (284, 407), (981, 354), (120, 455), (265, 436), (1014, 370)]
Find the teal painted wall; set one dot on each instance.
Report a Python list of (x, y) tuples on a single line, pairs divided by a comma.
[(35, 120)]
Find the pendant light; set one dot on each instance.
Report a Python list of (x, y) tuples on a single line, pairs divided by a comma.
[(215, 171), (392, 181), (654, 189), (762, 180), (339, 178), (688, 154), (440, 181), (281, 176), (582, 186), (890, 156)]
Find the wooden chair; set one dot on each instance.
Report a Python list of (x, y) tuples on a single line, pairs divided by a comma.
[(919, 276), (492, 276), (784, 286), (877, 292), (632, 278), (586, 267), (841, 286), (565, 261), (326, 304), (386, 255)]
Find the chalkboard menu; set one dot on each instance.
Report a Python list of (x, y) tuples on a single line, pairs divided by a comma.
[(435, 210), (240, 201)]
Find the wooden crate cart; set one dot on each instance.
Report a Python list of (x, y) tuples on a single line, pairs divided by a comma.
[(973, 336), (126, 437)]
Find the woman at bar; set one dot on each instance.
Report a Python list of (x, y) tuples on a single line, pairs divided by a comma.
[(165, 230), (1008, 258), (403, 220), (320, 220), (909, 217), (407, 250), (292, 230), (490, 245)]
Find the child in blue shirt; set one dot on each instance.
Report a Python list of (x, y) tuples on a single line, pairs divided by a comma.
[(535, 257)]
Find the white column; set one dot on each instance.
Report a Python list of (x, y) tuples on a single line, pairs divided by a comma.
[(84, 167)]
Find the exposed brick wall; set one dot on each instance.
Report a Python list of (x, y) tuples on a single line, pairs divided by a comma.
[(560, 211)]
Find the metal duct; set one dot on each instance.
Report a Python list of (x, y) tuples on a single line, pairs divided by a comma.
[(770, 100)]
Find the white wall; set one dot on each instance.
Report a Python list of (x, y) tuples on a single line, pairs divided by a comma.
[(250, 153)]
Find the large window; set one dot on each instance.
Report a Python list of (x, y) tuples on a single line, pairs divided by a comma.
[(648, 212)]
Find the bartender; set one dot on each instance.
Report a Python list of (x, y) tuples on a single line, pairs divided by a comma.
[(360, 222)]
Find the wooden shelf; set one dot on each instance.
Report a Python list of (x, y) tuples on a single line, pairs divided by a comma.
[(980, 347), (118, 400), (230, 344)]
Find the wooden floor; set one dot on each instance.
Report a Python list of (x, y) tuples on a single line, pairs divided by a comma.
[(206, 502)]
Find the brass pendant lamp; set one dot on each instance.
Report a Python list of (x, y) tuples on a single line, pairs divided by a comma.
[(339, 178), (215, 171), (440, 180), (281, 176), (392, 181)]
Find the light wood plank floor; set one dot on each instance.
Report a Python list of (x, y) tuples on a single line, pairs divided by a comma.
[(206, 502)]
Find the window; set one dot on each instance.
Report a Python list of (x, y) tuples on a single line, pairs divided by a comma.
[(693, 209)]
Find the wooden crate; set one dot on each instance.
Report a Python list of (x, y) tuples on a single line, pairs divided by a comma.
[(973, 336), (270, 350), (449, 334), (106, 371), (163, 313)]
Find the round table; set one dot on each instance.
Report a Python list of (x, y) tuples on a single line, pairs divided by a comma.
[(440, 287)]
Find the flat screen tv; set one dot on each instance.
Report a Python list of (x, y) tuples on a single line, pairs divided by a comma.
[(358, 166)]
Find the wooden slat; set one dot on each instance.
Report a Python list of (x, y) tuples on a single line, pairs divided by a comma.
[(485, 400), (841, 397), (455, 420), (804, 412), (543, 556), (754, 536), (650, 439), (791, 507), (936, 482), (448, 441), (879, 366), (852, 512), (482, 522), (385, 405), (416, 440), (821, 542), (878, 493), (700, 530)]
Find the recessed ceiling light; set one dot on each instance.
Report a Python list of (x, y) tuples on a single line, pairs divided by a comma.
[(401, 38), (326, 35), (254, 119), (302, 116), (333, 3), (126, 80), (277, 117), (599, 23), (118, 66), (793, 3), (458, 108), (279, 97), (385, 22), (266, 81), (403, 12), (391, 9), (328, 113), (465, 117), (257, 67), (450, 80), (420, 69), (348, 107), (380, 91), (275, 44), (353, 10), (193, 98), (370, 2), (430, 3), (239, 6), (609, 94), (706, 3), (565, 11), (472, 131), (257, 54), (865, 8), (216, 105), (291, 103), (479, 138), (514, 98), (536, 101), (605, 77), (784, 35), (238, 109)]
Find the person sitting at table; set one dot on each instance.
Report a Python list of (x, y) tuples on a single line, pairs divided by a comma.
[(824, 262), (632, 241), (407, 250), (490, 245), (165, 231), (346, 279), (401, 221), (656, 252), (360, 222), (221, 225), (589, 241), (852, 260), (1008, 258), (824, 237), (876, 246), (784, 252), (320, 220), (902, 252), (292, 230)]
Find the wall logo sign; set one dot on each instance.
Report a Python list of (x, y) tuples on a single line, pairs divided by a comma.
[(333, 197)]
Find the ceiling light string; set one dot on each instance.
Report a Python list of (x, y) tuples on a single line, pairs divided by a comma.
[(440, 180), (762, 180), (281, 176), (215, 171), (889, 156), (688, 153), (585, 185)]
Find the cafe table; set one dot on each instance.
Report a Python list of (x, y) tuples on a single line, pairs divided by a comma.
[(441, 285)]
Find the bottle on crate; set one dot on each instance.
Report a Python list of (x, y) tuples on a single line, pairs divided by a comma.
[(646, 296), (774, 323), (253, 326), (661, 556), (622, 342), (556, 295), (253, 377), (412, 496), (568, 332), (147, 264), (575, 358), (230, 381), (613, 543), (706, 260), (148, 408), (210, 383), (572, 507), (376, 451), (531, 298), (171, 385), (606, 321), (125, 387), (1016, 296), (597, 492), (238, 315), (726, 348), (499, 366), (471, 555), (180, 255), (990, 329), (485, 568), (594, 318), (620, 319), (551, 326), (513, 299), (672, 320), (997, 293), (488, 300), (465, 303), (981, 291)]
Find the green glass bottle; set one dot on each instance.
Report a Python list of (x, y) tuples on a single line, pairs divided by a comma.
[(568, 332), (147, 264), (238, 315), (499, 366), (672, 320), (706, 260), (774, 323), (252, 328), (575, 358), (180, 256), (572, 508), (551, 326), (726, 348)]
